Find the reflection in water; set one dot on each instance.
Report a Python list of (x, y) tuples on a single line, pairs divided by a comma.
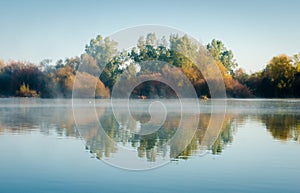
[(22, 120), (283, 126), (58, 117)]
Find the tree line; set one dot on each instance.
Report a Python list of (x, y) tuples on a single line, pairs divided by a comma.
[(280, 77)]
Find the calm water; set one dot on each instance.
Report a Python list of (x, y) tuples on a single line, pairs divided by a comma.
[(43, 149)]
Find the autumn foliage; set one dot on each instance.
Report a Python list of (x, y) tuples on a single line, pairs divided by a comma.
[(101, 67)]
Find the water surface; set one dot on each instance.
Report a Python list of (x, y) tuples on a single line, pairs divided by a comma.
[(257, 149)]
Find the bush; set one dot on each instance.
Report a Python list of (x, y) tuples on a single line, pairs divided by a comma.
[(26, 92)]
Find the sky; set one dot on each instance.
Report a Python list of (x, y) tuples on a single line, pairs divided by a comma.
[(254, 30)]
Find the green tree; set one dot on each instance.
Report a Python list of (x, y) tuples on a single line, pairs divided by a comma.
[(183, 51), (103, 50), (220, 52)]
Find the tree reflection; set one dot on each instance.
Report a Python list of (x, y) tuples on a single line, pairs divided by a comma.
[(30, 119), (23, 119), (226, 137), (283, 126), (151, 145)]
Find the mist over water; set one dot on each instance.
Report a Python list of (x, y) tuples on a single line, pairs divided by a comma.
[(257, 135)]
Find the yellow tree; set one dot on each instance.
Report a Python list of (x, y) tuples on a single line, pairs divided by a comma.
[(296, 60), (280, 74)]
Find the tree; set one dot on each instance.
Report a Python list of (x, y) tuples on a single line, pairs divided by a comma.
[(151, 39), (296, 61), (254, 82), (296, 82), (45, 62), (183, 51), (240, 75), (13, 74), (89, 65), (147, 54), (85, 86), (26, 92), (102, 50), (24, 89), (73, 62), (220, 52), (63, 81), (233, 87), (279, 73)]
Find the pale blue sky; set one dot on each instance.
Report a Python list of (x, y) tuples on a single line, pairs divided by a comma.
[(255, 30)]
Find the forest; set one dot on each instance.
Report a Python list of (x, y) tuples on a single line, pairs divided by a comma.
[(104, 65)]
